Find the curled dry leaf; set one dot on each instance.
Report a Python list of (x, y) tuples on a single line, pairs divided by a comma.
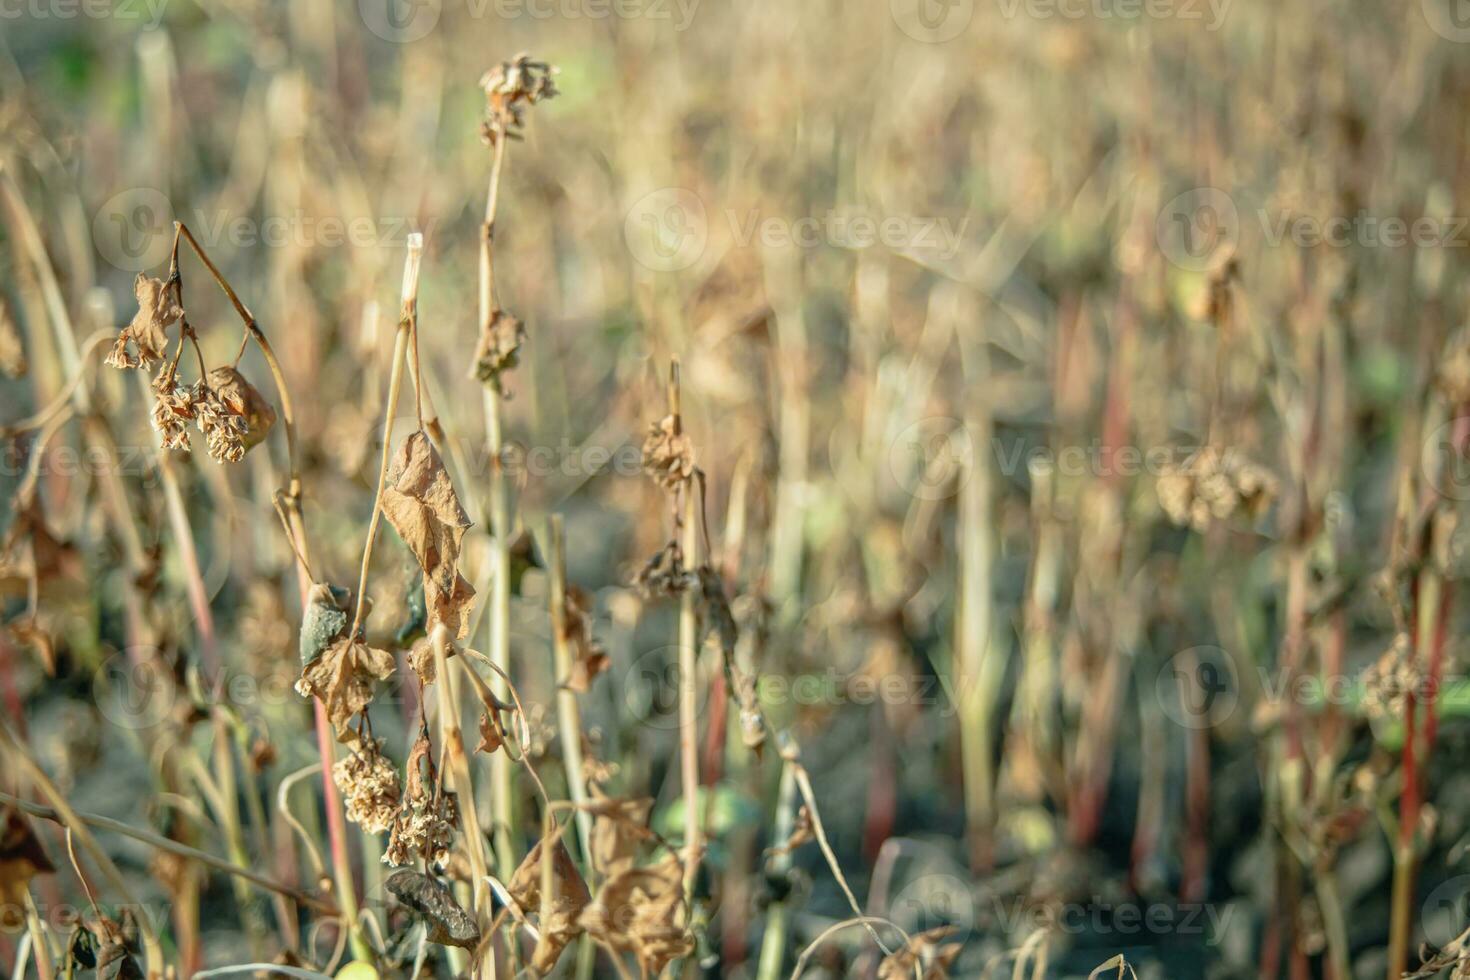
[(144, 341), (569, 897), (492, 733), (244, 401), (423, 508), (499, 347), (801, 833), (925, 955), (342, 679), (449, 924), (640, 910), (588, 656), (619, 826), (668, 455), (664, 574), (718, 620)]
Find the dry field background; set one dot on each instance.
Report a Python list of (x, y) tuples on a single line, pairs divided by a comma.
[(1059, 531)]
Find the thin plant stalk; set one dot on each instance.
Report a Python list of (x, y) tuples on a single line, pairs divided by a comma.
[(773, 943), (688, 659), (568, 712), (501, 774)]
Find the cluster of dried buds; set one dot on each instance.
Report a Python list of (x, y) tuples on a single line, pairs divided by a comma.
[(498, 349), (511, 88), (1213, 485), (227, 409)]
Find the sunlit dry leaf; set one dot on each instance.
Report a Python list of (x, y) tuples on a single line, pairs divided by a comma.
[(147, 334), (559, 925), (242, 399), (450, 608), (342, 679), (640, 910), (421, 504), (618, 827)]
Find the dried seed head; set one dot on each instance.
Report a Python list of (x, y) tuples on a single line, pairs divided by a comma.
[(173, 410), (243, 400), (668, 455), (1389, 681), (158, 309), (369, 784), (499, 348), (512, 87), (224, 429), (424, 824), (1212, 486)]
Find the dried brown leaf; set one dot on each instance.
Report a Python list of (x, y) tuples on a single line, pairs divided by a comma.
[(449, 923), (342, 679)]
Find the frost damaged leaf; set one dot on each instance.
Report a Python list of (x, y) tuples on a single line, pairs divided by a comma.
[(342, 679), (325, 618), (449, 924)]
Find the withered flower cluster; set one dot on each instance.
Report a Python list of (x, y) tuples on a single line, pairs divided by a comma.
[(369, 785), (423, 826), (1212, 486), (228, 411), (511, 88)]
